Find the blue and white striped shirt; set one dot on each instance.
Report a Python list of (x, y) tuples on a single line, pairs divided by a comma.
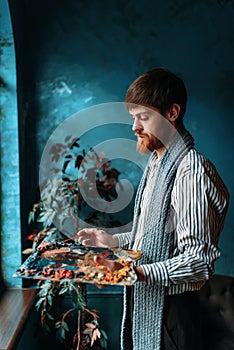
[(199, 203)]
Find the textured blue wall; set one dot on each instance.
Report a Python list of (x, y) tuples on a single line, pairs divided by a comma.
[(10, 239), (75, 54)]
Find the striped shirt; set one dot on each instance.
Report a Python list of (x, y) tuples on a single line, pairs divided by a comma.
[(199, 203)]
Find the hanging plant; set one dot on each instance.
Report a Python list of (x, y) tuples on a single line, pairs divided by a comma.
[(64, 201)]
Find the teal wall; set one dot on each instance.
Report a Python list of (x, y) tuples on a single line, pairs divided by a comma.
[(10, 233), (76, 54)]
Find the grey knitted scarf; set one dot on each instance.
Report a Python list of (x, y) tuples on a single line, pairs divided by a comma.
[(144, 330)]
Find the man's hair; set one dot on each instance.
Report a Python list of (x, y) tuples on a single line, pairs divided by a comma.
[(158, 88)]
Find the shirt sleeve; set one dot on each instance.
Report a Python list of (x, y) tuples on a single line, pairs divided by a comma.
[(199, 207), (124, 239)]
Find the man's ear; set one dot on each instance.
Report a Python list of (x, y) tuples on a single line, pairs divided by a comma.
[(173, 113)]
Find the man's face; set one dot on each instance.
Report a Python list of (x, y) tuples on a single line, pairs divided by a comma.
[(152, 129)]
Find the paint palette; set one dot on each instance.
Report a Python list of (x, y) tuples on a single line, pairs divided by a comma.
[(59, 260)]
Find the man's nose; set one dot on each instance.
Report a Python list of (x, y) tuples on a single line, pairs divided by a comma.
[(137, 125)]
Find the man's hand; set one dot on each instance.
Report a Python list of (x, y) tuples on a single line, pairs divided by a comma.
[(140, 274), (97, 238)]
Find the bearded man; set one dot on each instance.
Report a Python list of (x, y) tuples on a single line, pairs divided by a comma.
[(180, 207)]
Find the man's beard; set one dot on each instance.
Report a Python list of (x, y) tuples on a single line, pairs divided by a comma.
[(148, 143)]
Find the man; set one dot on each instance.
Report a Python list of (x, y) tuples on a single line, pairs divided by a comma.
[(179, 213)]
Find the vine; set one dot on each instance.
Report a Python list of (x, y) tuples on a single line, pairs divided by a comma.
[(64, 200)]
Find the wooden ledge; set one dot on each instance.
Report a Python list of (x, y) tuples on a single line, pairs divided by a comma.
[(14, 307)]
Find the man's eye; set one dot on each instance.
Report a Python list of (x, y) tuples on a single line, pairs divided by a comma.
[(144, 117)]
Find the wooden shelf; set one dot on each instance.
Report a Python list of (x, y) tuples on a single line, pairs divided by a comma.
[(14, 307)]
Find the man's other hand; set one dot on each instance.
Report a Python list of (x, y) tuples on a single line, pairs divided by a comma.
[(96, 238)]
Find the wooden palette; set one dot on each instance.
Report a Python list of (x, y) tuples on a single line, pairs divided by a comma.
[(59, 260)]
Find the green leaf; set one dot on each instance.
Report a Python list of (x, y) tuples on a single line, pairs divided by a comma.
[(39, 302), (58, 324), (64, 290), (46, 328), (61, 334), (42, 217), (65, 326), (31, 217), (105, 336), (50, 316), (50, 300), (103, 343)]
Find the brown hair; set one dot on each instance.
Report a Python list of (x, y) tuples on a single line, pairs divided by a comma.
[(158, 88)]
